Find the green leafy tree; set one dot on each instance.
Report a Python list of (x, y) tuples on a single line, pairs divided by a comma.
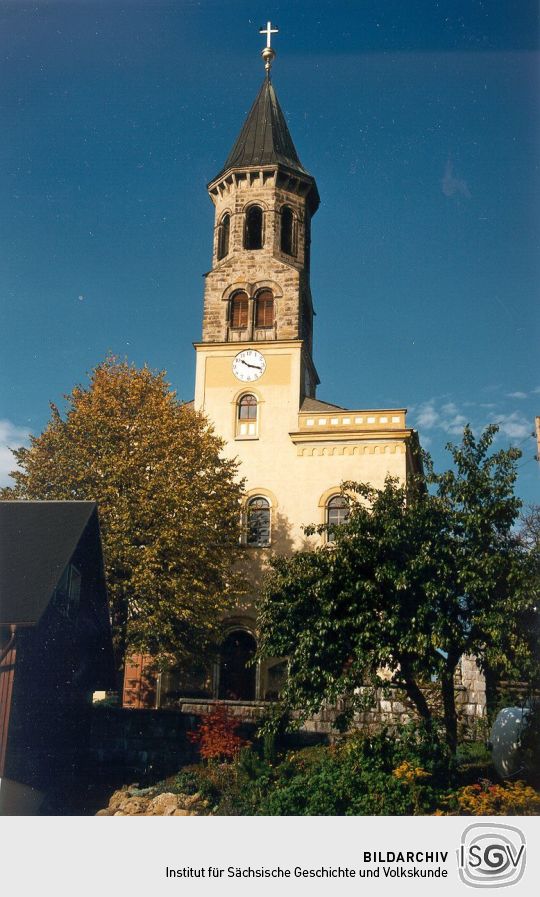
[(168, 506), (411, 582)]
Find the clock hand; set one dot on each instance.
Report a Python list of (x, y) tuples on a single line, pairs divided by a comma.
[(256, 366)]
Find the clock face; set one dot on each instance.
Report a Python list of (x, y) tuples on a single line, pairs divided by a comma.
[(248, 365)]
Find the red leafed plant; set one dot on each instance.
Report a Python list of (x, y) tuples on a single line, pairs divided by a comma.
[(216, 735)]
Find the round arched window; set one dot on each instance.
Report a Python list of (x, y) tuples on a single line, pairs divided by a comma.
[(258, 522), (337, 512), (238, 315), (246, 418), (264, 309), (287, 230), (223, 236), (253, 228)]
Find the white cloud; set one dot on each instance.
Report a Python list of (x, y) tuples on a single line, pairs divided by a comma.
[(447, 418), (516, 395), (515, 425), (11, 436), (427, 417)]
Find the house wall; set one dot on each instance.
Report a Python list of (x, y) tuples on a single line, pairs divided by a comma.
[(7, 673)]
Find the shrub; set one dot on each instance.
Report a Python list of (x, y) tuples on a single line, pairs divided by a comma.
[(187, 781), (530, 747), (392, 773), (216, 735), (487, 799)]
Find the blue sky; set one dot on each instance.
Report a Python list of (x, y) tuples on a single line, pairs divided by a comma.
[(419, 121)]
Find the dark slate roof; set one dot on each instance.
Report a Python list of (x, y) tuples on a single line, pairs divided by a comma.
[(316, 405), (37, 541), (265, 138)]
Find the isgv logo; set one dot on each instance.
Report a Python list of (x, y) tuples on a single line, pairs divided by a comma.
[(491, 855)]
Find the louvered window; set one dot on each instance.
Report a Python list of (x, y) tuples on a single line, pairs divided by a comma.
[(264, 309), (239, 311)]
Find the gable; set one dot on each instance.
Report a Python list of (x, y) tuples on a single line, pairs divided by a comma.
[(37, 541)]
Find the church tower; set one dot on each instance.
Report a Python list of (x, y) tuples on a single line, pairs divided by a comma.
[(256, 379), (257, 292)]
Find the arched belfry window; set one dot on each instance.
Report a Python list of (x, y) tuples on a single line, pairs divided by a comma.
[(223, 236), (253, 229), (238, 317), (246, 418), (258, 522), (264, 309), (337, 512), (287, 230)]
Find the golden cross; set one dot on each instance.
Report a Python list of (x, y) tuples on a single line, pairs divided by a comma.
[(268, 31)]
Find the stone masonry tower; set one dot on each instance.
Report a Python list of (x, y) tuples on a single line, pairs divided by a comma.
[(258, 289)]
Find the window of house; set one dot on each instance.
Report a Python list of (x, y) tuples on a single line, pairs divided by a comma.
[(337, 512), (223, 236), (239, 311), (253, 229), (258, 522), (264, 309), (287, 230), (246, 419), (68, 592)]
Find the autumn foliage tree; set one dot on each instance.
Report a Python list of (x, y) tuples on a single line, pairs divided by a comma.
[(168, 506)]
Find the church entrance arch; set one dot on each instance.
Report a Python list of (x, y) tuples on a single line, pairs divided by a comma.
[(236, 675)]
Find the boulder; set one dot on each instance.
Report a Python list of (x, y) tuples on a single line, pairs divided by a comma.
[(189, 800), (163, 805), (136, 806), (118, 799)]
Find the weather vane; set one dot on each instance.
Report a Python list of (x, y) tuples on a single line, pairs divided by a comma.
[(268, 53)]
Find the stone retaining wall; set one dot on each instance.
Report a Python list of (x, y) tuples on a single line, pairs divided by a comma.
[(144, 745)]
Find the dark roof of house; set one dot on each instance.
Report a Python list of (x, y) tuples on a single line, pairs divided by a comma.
[(37, 542), (316, 405), (265, 138)]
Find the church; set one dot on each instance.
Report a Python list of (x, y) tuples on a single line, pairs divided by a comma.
[(257, 383)]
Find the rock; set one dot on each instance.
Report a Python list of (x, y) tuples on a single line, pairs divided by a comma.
[(118, 798), (106, 812), (189, 800), (181, 812), (136, 806), (505, 742), (164, 804)]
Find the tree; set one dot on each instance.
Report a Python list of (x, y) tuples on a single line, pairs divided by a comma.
[(168, 506), (412, 581)]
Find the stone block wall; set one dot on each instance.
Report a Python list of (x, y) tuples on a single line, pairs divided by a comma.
[(251, 270)]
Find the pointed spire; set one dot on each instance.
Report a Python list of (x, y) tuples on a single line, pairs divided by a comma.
[(265, 138)]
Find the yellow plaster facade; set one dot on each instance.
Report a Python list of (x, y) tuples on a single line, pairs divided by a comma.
[(301, 457)]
